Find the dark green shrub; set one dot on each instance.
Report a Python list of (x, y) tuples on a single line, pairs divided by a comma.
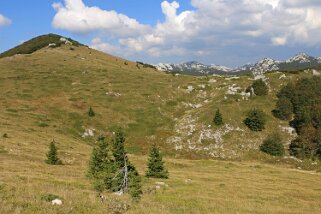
[(218, 118), (302, 99), (284, 109), (255, 120), (43, 124), (272, 145), (260, 88), (300, 148)]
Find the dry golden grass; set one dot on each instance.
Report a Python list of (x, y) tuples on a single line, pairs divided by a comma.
[(193, 187), (47, 94)]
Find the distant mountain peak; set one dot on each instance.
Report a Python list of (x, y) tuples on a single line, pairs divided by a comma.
[(301, 57), (298, 62)]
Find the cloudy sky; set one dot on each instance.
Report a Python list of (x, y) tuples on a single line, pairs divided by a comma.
[(225, 32)]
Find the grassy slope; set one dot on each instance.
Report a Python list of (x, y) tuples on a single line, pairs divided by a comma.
[(46, 95), (214, 187)]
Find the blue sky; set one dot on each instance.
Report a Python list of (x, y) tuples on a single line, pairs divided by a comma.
[(226, 32)]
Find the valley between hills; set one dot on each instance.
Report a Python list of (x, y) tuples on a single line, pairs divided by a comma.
[(45, 95)]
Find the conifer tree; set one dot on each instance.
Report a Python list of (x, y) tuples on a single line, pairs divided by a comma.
[(155, 165), (134, 183), (99, 158), (218, 119), (115, 173), (126, 177), (91, 112), (52, 155), (118, 148), (101, 168)]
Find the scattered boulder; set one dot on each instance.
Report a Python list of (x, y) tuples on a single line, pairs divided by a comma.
[(233, 89), (187, 181), (202, 86), (232, 78), (52, 45), (245, 95), (115, 94), (160, 183), (283, 76), (289, 130), (119, 193), (212, 81), (190, 88), (56, 202), (88, 133), (66, 41)]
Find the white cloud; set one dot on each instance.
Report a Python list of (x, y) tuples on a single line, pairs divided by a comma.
[(279, 41), (75, 16), (212, 26), (98, 44), (4, 21)]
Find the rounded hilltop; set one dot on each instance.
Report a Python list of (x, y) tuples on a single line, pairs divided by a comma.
[(37, 43)]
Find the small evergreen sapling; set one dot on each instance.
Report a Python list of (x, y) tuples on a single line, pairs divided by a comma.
[(155, 165), (52, 155), (91, 112), (218, 119)]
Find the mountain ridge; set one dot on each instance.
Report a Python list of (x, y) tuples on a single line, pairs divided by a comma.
[(300, 61)]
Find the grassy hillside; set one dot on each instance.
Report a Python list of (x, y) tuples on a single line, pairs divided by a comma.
[(46, 95)]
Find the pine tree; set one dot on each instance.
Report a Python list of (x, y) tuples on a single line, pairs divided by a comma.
[(116, 173), (134, 183), (118, 148), (126, 177), (218, 119), (101, 168), (155, 165), (99, 158), (91, 112), (52, 155)]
